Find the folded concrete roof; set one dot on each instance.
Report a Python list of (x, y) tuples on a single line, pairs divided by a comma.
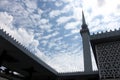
[(20, 59)]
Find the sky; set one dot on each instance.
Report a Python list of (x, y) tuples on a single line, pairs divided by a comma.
[(50, 28)]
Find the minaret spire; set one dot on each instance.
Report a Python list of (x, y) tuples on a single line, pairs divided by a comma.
[(84, 25), (86, 45), (83, 18)]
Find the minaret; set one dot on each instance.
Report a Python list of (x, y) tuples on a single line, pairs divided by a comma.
[(86, 45)]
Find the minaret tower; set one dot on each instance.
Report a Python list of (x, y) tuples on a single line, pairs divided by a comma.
[(86, 45)]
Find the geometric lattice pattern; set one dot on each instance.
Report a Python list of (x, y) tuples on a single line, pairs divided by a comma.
[(108, 57)]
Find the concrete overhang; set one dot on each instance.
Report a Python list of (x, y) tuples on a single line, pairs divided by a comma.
[(80, 75)]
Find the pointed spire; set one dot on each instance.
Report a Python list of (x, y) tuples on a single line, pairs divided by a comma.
[(84, 25), (83, 18)]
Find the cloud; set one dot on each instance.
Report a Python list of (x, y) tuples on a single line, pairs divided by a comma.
[(105, 8), (66, 9), (31, 4), (54, 13), (101, 2), (68, 1), (5, 19), (44, 21), (27, 39), (75, 31), (63, 19), (76, 37), (71, 25), (65, 60), (44, 42), (44, 24), (51, 35), (40, 11), (58, 3)]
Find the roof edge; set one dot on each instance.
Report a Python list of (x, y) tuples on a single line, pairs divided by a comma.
[(19, 45)]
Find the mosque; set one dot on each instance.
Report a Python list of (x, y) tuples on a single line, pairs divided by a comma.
[(20, 64)]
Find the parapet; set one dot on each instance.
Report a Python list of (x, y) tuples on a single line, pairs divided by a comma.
[(106, 36)]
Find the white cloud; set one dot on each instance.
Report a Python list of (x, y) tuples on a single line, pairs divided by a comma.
[(51, 44), (44, 21), (71, 25), (51, 35), (31, 4), (75, 31), (66, 9), (5, 18), (57, 39), (40, 11), (66, 35), (44, 42), (112, 25), (77, 13), (67, 62), (44, 24), (20, 34), (25, 39), (73, 7), (54, 13), (105, 8), (4, 3), (68, 1), (58, 3), (23, 12), (101, 2), (63, 19)]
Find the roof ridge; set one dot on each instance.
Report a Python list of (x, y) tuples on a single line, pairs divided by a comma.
[(11, 38), (105, 32)]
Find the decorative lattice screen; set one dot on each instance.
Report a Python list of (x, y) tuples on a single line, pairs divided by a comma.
[(108, 56)]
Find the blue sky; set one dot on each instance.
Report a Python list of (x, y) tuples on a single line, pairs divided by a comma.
[(50, 28)]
